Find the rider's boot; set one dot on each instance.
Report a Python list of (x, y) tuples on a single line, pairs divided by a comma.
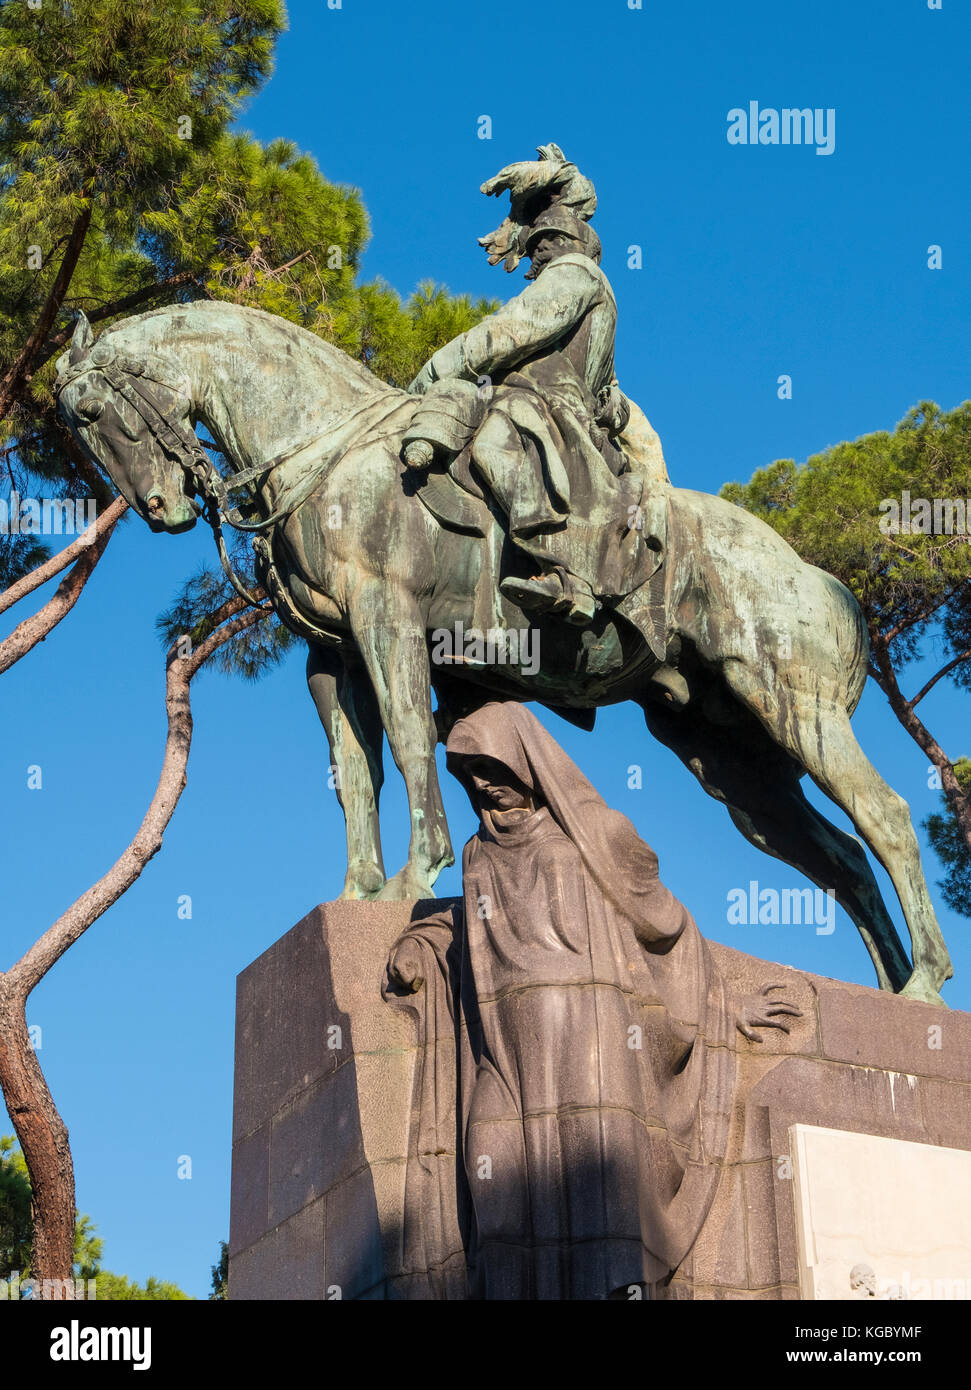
[(673, 686), (553, 592), (543, 593)]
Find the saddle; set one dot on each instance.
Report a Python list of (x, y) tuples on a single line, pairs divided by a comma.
[(457, 501)]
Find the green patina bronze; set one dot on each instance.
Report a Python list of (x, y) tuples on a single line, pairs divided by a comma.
[(506, 528)]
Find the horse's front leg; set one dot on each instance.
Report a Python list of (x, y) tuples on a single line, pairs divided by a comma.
[(390, 635), (348, 711)]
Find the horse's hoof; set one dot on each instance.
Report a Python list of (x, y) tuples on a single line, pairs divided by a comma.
[(362, 883), (921, 987), (405, 887)]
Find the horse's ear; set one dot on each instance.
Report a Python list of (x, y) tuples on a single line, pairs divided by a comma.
[(81, 339)]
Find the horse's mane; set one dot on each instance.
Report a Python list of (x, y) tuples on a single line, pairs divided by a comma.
[(302, 339)]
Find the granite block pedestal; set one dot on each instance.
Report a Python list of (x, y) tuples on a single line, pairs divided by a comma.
[(848, 1171)]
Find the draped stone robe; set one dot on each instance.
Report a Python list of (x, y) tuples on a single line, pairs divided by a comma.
[(595, 1070)]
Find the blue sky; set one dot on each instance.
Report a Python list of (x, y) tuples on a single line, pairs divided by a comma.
[(757, 261)]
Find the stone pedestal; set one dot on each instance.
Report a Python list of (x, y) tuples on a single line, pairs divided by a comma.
[(325, 1072)]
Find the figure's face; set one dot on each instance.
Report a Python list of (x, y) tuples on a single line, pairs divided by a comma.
[(863, 1277), (496, 786), (544, 250)]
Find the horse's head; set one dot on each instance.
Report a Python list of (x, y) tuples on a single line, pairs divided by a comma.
[(137, 427)]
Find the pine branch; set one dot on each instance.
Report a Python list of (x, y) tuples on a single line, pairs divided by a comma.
[(19, 373), (117, 306), (944, 671), (42, 1133), (48, 949), (39, 576)]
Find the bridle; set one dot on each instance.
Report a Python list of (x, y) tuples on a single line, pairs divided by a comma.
[(129, 379)]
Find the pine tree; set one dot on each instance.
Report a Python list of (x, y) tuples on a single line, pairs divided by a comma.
[(104, 105), (914, 588), (951, 847), (122, 188), (15, 1242)]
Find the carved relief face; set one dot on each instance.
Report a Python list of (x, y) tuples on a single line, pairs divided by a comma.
[(497, 788)]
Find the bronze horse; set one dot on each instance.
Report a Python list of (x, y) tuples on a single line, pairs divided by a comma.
[(770, 653)]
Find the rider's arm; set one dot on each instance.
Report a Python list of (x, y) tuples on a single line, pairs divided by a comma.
[(544, 312)]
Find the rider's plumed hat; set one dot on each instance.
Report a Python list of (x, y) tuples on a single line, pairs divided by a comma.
[(536, 187)]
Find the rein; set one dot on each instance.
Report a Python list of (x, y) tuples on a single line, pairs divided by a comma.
[(182, 444), (128, 378)]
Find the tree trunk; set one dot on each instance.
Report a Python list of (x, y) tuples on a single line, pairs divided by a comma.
[(21, 369), (40, 1129), (43, 1138), (959, 803)]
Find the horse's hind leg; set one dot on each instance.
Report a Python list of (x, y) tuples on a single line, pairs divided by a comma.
[(760, 787), (352, 722), (818, 735), (794, 831), (840, 768)]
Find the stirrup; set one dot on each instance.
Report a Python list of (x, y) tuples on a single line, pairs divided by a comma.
[(583, 606)]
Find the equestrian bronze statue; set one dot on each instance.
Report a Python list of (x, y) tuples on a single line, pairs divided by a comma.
[(506, 529)]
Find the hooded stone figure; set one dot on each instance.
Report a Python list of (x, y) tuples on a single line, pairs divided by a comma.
[(594, 1037)]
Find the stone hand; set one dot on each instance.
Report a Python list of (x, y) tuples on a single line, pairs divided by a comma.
[(405, 966), (757, 1011)]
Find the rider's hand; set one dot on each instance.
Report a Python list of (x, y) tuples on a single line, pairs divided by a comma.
[(425, 378)]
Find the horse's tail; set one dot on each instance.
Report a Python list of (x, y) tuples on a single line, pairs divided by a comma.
[(853, 642)]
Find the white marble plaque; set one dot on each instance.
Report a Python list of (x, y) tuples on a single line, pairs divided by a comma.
[(880, 1218)]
